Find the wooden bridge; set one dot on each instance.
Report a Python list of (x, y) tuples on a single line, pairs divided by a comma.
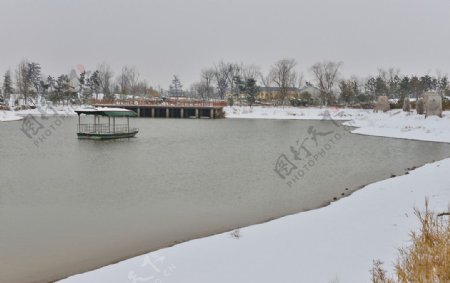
[(170, 109)]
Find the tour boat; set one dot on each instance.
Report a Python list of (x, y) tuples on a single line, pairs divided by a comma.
[(105, 131)]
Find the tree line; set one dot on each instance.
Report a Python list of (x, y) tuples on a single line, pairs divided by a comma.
[(33, 86), (223, 80)]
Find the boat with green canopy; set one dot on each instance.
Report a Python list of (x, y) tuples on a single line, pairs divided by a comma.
[(102, 130)]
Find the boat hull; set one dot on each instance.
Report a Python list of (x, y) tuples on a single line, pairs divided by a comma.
[(107, 136)]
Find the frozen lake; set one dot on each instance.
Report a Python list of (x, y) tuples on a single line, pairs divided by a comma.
[(70, 205)]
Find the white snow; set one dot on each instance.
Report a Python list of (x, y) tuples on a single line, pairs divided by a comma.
[(8, 116), (394, 123), (336, 243)]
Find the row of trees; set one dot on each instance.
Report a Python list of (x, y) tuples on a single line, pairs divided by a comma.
[(76, 86), (222, 79), (392, 84), (283, 78)]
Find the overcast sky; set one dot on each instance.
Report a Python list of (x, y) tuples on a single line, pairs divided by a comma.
[(166, 37)]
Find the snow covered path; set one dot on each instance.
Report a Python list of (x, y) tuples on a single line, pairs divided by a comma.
[(336, 243)]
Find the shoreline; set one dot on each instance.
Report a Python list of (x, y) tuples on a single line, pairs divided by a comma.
[(349, 194), (212, 242)]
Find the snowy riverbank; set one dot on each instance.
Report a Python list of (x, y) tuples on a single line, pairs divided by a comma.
[(336, 243), (7, 116), (394, 123)]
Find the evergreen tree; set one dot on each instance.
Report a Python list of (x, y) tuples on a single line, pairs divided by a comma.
[(63, 90), (370, 86), (251, 90), (81, 84), (380, 87), (94, 83), (426, 83), (34, 77), (7, 85), (176, 88)]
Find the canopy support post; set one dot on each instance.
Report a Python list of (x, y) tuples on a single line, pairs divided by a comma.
[(128, 124), (114, 124)]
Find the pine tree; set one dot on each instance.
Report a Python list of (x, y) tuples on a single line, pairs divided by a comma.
[(176, 88), (94, 83), (64, 91), (7, 85), (251, 90), (34, 77)]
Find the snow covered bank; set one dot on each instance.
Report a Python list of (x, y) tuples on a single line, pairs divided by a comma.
[(399, 124), (394, 123), (7, 116), (336, 243)]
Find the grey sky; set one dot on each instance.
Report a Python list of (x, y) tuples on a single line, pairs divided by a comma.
[(166, 37)]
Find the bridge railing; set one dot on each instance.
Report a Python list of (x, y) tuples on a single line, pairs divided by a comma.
[(168, 102)]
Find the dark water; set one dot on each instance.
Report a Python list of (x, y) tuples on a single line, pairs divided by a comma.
[(70, 205)]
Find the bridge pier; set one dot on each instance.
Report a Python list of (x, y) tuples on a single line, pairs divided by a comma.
[(162, 111)]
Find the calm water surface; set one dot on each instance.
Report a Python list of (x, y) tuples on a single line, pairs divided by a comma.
[(70, 205)]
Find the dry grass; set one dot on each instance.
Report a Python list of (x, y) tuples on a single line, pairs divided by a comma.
[(427, 259)]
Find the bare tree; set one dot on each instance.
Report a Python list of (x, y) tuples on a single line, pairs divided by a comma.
[(106, 75), (123, 83), (234, 77), (201, 89), (128, 81), (207, 77), (250, 72), (222, 74), (23, 82), (326, 75), (266, 82), (141, 88), (133, 78), (284, 76), (300, 80)]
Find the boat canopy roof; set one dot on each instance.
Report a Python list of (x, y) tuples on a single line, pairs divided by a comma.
[(106, 111)]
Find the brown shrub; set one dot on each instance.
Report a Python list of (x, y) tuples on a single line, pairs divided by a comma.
[(427, 259)]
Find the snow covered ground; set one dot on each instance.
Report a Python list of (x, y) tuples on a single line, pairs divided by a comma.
[(336, 243), (394, 123), (7, 116)]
